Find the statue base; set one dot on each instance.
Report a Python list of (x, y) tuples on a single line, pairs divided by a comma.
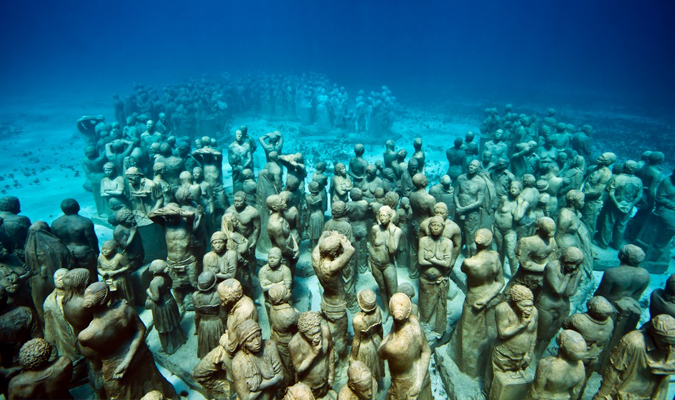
[(457, 385), (510, 385), (604, 259)]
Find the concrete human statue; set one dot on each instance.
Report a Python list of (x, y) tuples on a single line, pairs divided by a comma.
[(144, 194), (275, 171), (113, 268), (418, 154), (340, 184), (561, 279), (399, 165), (657, 243), (358, 211), (662, 301), (272, 141), (407, 186), (435, 256), (44, 255), (41, 378), (112, 185), (422, 205), (623, 286), (299, 391), (371, 183), (407, 353), (624, 191), (451, 230), (116, 333), (527, 202), (594, 187), (470, 194), (329, 258), (596, 327), (238, 308), (265, 188), (358, 165), (506, 219), (209, 322), (78, 234), (651, 176), (57, 331), (127, 236), (497, 147), (240, 153), (315, 203), (257, 371), (361, 384), (340, 223), (165, 311), (520, 158), (641, 363), (312, 355), (273, 273), (206, 197), (533, 253), (15, 226), (457, 159), (279, 231), (390, 153), (443, 192), (211, 162), (562, 376), (368, 334), (513, 350), (283, 319), (248, 225), (159, 169), (384, 241), (475, 331)]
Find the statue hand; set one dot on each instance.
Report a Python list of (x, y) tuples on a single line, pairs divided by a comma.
[(254, 382), (120, 371)]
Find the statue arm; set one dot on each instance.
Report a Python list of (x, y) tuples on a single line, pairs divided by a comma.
[(423, 366), (136, 341), (505, 328), (231, 264), (663, 197), (356, 343), (347, 253), (394, 238), (92, 239), (253, 238), (420, 253), (557, 281), (288, 277)]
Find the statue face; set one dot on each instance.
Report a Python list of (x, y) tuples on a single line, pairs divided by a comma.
[(239, 202), (197, 174), (109, 171), (58, 279), (239, 136), (108, 252), (474, 167), (664, 343), (274, 259), (254, 343), (436, 228), (385, 218), (364, 389), (313, 335), (134, 178), (515, 189), (218, 245), (579, 203), (525, 307)]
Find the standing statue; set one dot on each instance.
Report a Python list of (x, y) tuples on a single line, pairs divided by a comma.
[(222, 259), (361, 384), (571, 232), (533, 253), (561, 377), (641, 363), (179, 227), (368, 333), (506, 219), (144, 194), (312, 354), (257, 371), (248, 225), (41, 378), (275, 142), (238, 308), (164, 309), (469, 198), (358, 165), (471, 340), (384, 240), (127, 236), (656, 243), (15, 226), (596, 327), (513, 349), (407, 353), (45, 254), (456, 156), (443, 192), (279, 231), (340, 184), (209, 323), (422, 205), (561, 279), (78, 234), (112, 185), (340, 223), (113, 267), (329, 258), (435, 256), (58, 331), (283, 319), (212, 167), (265, 188), (594, 188), (315, 210), (358, 213), (662, 301), (117, 334)]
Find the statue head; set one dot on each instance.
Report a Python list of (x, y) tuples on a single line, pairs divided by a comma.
[(338, 209), (401, 155), (70, 206), (109, 248), (670, 285), (279, 294), (219, 242), (320, 166), (359, 149), (441, 209), (400, 307), (631, 255), (355, 194), (367, 300), (299, 391), (515, 188), (419, 180), (59, 275), (629, 167), (571, 259), (360, 380), (390, 199), (96, 295), (198, 174), (413, 166), (417, 144), (606, 159), (239, 200), (458, 142), (436, 225), (390, 144), (600, 308), (230, 291), (276, 203), (206, 281), (656, 158), (339, 169), (76, 280), (10, 204), (249, 336), (184, 196), (133, 174), (483, 238), (522, 300), (474, 167), (309, 325), (545, 227), (371, 171), (330, 245), (571, 344), (274, 257), (662, 330), (388, 174), (407, 289), (575, 198), (385, 214), (158, 267), (109, 169), (34, 354)]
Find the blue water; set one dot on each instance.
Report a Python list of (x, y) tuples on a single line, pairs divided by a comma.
[(589, 52)]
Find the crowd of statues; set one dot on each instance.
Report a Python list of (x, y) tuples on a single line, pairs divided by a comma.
[(513, 225)]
